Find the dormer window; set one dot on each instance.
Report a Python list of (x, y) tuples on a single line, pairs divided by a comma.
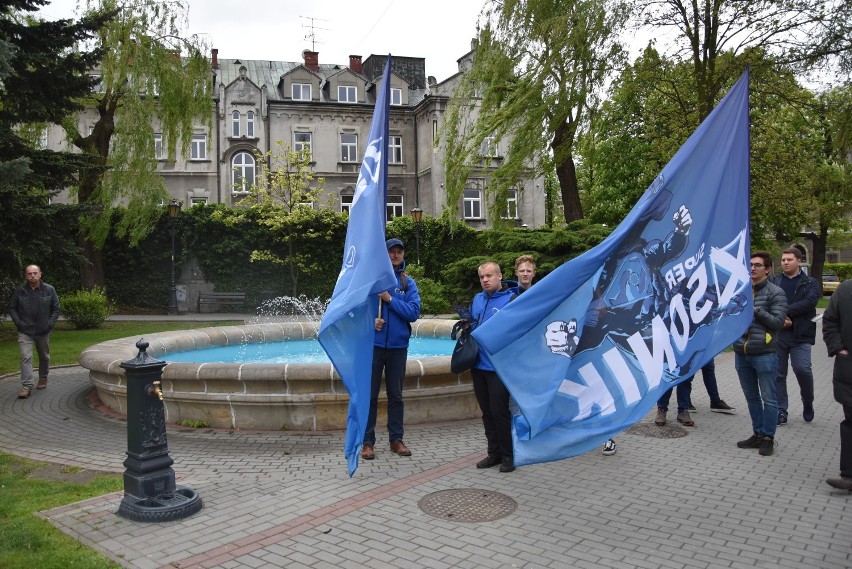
[(395, 96), (301, 92), (347, 94)]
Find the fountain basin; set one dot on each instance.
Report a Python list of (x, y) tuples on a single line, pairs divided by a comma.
[(292, 396)]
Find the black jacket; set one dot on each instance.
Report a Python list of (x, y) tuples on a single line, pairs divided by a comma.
[(837, 333), (34, 312), (770, 307), (802, 308)]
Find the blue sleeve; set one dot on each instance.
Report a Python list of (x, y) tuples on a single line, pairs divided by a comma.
[(407, 306)]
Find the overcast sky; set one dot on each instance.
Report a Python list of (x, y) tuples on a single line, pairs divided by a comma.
[(439, 30)]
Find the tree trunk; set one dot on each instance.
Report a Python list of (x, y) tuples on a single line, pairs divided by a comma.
[(563, 137), (819, 243), (91, 269)]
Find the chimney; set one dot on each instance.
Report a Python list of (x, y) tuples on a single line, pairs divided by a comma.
[(311, 59), (215, 58), (355, 64)]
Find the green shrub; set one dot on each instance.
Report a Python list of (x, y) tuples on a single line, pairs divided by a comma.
[(433, 295), (87, 308)]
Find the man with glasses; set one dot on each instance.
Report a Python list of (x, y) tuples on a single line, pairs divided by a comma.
[(755, 358), (798, 334)]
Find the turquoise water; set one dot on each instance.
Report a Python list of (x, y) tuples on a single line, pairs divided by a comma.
[(296, 351)]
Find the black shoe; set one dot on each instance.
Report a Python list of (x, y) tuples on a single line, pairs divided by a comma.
[(808, 414), (691, 407), (721, 407), (489, 461), (751, 442), (767, 446), (782, 418), (508, 465), (842, 483)]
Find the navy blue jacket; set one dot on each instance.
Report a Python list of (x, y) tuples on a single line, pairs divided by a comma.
[(802, 307), (399, 313)]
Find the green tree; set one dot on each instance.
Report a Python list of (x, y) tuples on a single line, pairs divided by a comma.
[(282, 199), (149, 74), (35, 58), (537, 70)]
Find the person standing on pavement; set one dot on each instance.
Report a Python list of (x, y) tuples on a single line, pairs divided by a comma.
[(400, 306), (34, 309), (837, 334), (755, 355), (717, 404), (491, 394), (798, 334)]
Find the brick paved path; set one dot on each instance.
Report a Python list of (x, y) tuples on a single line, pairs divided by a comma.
[(278, 499)]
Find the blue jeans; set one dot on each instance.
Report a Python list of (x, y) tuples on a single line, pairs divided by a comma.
[(42, 346), (708, 374), (684, 390), (757, 378), (800, 360), (392, 362)]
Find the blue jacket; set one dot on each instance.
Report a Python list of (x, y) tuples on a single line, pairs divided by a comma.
[(484, 307), (802, 307), (399, 313)]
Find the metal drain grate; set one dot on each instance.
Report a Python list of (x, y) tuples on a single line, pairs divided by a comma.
[(657, 432), (467, 505)]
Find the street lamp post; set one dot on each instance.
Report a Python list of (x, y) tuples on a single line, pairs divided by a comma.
[(417, 215), (174, 210)]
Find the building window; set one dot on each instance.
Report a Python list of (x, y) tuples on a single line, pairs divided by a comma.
[(472, 204), (250, 124), (394, 205), (489, 147), (395, 96), (301, 92), (197, 201), (159, 153), (347, 94), (348, 147), (243, 172), (198, 147), (302, 141), (235, 124), (511, 205), (395, 150), (346, 203)]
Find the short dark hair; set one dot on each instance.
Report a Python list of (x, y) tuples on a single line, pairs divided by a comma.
[(792, 251), (767, 258)]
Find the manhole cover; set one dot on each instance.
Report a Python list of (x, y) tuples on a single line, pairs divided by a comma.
[(657, 432), (467, 505)]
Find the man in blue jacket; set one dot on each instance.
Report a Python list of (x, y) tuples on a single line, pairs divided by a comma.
[(798, 334), (34, 310), (491, 394), (397, 307)]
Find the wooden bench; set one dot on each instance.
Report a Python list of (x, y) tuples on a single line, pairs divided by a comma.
[(221, 298)]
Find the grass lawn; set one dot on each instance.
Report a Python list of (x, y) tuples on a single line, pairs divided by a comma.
[(27, 487), (66, 342)]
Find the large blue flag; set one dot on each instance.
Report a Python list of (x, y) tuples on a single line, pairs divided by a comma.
[(589, 350), (347, 329)]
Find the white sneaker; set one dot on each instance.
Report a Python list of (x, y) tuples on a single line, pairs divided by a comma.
[(608, 448)]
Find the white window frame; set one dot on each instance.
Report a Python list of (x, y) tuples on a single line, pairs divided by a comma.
[(395, 96), (198, 147), (346, 203), (250, 124), (159, 150), (394, 149), (347, 94), (235, 124), (243, 171), (307, 141), (197, 201), (511, 205), (348, 149), (489, 147), (298, 91), (394, 206), (472, 206)]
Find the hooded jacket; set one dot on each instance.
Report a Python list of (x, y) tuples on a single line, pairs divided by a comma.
[(770, 309), (484, 307), (34, 312), (803, 307), (399, 313)]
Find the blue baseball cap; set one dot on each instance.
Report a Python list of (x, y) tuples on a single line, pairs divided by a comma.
[(394, 243)]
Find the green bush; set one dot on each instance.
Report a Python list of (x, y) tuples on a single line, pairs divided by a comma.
[(87, 308), (433, 295)]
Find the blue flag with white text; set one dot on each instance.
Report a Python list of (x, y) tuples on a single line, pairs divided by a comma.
[(347, 329), (589, 350)]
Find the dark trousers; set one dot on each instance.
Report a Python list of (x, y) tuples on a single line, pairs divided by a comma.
[(493, 399), (392, 362), (684, 390), (846, 443)]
